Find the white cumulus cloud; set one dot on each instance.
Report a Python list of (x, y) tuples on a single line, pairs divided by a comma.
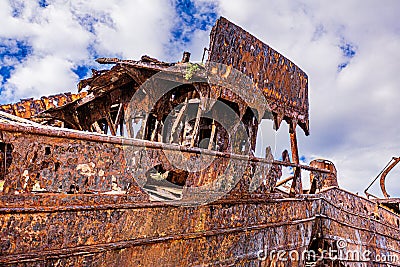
[(70, 33), (353, 111)]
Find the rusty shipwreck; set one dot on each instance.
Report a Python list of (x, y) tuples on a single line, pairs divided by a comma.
[(153, 165)]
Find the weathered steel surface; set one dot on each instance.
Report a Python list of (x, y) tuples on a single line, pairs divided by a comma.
[(28, 108), (365, 226), (285, 85), (107, 230), (50, 160), (225, 232), (73, 198), (395, 161), (320, 180), (44, 225), (61, 165)]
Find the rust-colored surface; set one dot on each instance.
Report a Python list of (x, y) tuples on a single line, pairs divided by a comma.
[(319, 180), (382, 179), (62, 165), (92, 195), (106, 219), (284, 84), (40, 159), (29, 108)]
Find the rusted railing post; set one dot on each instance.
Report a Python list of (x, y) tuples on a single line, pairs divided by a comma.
[(297, 187)]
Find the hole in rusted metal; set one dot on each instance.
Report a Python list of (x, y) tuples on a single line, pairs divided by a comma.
[(177, 177), (205, 133), (5, 161), (315, 255), (47, 150), (56, 166), (73, 189), (365, 209), (166, 185)]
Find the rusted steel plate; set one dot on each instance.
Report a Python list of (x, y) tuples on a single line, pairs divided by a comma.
[(362, 210), (61, 165), (369, 233), (284, 84), (103, 231), (226, 231), (28, 108), (50, 160), (45, 159)]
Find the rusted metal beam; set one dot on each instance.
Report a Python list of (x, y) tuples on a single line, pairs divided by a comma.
[(119, 116), (173, 136), (384, 174), (388, 200), (197, 123), (71, 134), (283, 181), (97, 128), (111, 125), (297, 187), (212, 135)]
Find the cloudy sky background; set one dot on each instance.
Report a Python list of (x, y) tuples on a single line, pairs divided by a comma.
[(350, 50)]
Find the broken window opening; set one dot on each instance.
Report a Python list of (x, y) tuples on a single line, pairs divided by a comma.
[(170, 121), (251, 126), (205, 133), (5, 161), (73, 189), (265, 137), (134, 125), (116, 120), (165, 185), (151, 128), (222, 115)]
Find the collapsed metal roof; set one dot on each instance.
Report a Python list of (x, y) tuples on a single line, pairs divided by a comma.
[(284, 85)]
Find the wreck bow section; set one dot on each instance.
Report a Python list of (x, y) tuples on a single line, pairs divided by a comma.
[(103, 189), (122, 101)]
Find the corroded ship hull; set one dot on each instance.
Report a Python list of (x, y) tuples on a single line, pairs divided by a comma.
[(107, 228), (111, 230), (80, 197)]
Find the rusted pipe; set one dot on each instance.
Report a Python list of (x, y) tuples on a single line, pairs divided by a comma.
[(287, 179), (384, 174)]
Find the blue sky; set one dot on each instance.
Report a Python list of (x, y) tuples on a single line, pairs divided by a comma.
[(349, 49), (13, 50), (106, 29)]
